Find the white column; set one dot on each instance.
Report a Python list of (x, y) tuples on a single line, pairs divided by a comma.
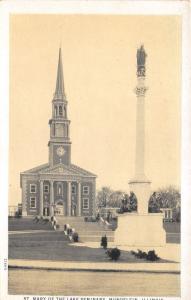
[(69, 198), (41, 197), (79, 199), (51, 198), (140, 185), (140, 129)]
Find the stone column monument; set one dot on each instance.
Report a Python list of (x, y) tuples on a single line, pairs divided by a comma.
[(141, 228)]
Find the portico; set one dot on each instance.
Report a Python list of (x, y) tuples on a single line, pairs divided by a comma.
[(70, 198)]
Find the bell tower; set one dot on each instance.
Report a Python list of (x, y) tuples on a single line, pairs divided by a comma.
[(59, 143)]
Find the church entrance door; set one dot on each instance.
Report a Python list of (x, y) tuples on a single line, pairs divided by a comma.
[(46, 211), (59, 209)]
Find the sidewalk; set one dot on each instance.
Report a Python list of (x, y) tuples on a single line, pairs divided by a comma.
[(96, 266)]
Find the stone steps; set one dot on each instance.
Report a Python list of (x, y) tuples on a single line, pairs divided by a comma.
[(82, 227), (87, 231)]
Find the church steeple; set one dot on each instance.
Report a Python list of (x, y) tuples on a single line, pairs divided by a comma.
[(59, 91), (59, 144)]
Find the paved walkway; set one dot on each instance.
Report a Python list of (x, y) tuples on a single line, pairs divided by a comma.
[(92, 266)]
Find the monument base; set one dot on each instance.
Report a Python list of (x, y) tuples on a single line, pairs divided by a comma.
[(140, 230)]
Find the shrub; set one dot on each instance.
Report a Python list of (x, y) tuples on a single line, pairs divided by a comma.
[(75, 237), (104, 242), (114, 253), (152, 256), (141, 254)]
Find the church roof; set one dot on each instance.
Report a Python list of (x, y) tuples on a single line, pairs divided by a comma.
[(59, 91), (60, 169), (36, 169)]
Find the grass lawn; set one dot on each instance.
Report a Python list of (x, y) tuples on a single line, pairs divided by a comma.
[(171, 227), (56, 246), (21, 224)]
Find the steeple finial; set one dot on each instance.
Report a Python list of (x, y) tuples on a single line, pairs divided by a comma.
[(59, 91)]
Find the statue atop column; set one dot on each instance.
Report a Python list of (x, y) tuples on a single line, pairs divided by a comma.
[(141, 58)]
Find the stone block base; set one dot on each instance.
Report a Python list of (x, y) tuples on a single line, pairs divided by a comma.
[(140, 230)]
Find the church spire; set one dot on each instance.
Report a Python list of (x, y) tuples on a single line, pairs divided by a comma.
[(59, 91)]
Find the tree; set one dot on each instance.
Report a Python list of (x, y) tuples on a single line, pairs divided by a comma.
[(154, 204), (103, 196), (106, 197), (168, 197), (115, 198)]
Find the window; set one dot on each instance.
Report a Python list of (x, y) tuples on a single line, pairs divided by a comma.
[(85, 203), (86, 190), (46, 188), (59, 189), (73, 190), (32, 202), (32, 188), (60, 111)]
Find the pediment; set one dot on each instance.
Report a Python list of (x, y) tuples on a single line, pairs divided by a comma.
[(60, 169)]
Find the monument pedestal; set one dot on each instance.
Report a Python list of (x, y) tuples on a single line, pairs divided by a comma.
[(140, 230)]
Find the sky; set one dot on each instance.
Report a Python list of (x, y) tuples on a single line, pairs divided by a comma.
[(99, 63)]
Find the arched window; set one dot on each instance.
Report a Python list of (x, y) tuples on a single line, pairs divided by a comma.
[(59, 189), (60, 111)]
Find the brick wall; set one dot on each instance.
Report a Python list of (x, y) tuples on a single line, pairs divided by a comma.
[(29, 195)]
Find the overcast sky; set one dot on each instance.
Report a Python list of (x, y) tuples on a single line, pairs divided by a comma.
[(99, 62)]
